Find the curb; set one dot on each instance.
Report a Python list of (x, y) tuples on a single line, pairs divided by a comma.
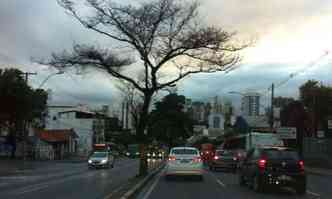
[(142, 183)]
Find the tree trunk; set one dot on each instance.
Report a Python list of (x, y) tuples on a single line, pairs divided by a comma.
[(140, 132)]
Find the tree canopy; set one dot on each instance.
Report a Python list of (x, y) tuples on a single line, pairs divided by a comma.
[(168, 122), (19, 102)]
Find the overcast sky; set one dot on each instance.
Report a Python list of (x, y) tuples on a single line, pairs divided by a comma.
[(290, 36)]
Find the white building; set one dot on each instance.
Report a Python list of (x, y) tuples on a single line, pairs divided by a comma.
[(216, 105), (216, 121), (250, 104), (79, 119)]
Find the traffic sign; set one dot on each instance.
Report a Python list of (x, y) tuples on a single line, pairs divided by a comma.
[(286, 132)]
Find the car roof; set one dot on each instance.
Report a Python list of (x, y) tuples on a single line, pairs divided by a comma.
[(276, 148), (189, 148)]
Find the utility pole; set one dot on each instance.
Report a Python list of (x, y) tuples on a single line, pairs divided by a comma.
[(272, 114), (26, 76)]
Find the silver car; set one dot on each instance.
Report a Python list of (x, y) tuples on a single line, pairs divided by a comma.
[(184, 161), (101, 159)]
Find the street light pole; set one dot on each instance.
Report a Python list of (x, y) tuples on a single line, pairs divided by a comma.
[(272, 114), (48, 77)]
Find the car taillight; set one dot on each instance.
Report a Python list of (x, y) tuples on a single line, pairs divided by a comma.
[(197, 159), (301, 164), (262, 163), (235, 158), (171, 158), (216, 157)]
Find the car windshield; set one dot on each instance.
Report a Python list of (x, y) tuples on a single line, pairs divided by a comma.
[(281, 154), (99, 155), (184, 152)]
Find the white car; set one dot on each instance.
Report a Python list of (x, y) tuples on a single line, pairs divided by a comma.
[(184, 161)]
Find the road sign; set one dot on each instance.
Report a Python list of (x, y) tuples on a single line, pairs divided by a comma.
[(286, 132), (329, 124)]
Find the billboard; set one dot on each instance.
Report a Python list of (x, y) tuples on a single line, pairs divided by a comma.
[(286, 132)]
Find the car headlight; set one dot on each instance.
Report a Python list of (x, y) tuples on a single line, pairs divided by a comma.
[(104, 161), (153, 154), (160, 155), (89, 161), (137, 153), (149, 154), (128, 154)]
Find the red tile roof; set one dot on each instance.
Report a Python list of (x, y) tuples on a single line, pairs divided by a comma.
[(56, 135)]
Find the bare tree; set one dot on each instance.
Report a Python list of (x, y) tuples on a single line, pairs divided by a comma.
[(166, 36)]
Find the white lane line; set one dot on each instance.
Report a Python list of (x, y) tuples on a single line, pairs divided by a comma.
[(221, 183), (31, 189), (153, 186), (313, 193), (217, 180), (113, 192)]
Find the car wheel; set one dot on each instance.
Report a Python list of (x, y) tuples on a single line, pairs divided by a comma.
[(301, 189), (257, 184), (242, 182)]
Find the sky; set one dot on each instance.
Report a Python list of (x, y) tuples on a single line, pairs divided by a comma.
[(290, 37)]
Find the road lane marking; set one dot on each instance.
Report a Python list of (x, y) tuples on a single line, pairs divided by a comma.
[(221, 183), (113, 192), (153, 186), (313, 193), (217, 180), (32, 189)]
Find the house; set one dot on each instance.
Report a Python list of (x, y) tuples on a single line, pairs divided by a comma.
[(88, 125), (55, 143)]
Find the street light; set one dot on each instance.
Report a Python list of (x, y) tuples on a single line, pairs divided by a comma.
[(48, 77)]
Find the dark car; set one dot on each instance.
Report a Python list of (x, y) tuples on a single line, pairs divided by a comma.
[(268, 167), (224, 159)]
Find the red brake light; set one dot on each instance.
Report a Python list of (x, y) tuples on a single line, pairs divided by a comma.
[(301, 164), (171, 158), (262, 163), (216, 157)]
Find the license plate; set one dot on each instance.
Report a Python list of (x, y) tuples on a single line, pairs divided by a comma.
[(184, 161), (285, 177)]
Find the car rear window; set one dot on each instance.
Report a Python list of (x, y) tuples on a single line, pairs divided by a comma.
[(184, 152), (224, 153), (282, 154)]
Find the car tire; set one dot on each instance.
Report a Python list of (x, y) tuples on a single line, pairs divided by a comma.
[(257, 184), (301, 189), (242, 182)]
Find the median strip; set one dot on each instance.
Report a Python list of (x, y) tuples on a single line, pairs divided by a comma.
[(135, 189)]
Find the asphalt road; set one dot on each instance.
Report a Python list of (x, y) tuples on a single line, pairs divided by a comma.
[(217, 185), (68, 181)]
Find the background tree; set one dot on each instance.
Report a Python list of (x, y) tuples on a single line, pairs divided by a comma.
[(165, 35), (317, 98), (168, 122), (20, 104)]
